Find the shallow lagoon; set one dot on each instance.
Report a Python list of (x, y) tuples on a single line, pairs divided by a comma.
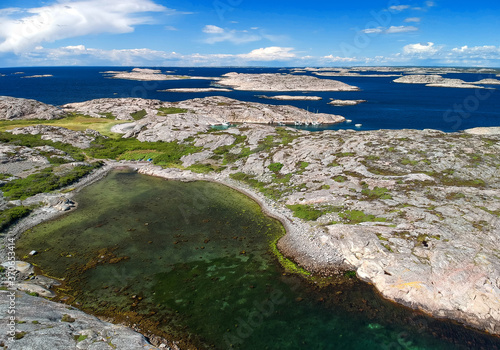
[(192, 261)]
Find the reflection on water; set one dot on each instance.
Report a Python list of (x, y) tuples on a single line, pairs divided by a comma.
[(192, 261)]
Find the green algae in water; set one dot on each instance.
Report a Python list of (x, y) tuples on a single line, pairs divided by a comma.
[(192, 260)]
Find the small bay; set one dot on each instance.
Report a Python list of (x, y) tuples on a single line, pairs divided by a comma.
[(193, 262)]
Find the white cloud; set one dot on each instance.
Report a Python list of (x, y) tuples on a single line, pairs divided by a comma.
[(332, 58), (217, 35), (399, 8), (401, 29), (430, 3), (413, 20), (68, 19), (373, 30), (420, 49), (171, 28), (211, 29), (390, 30), (272, 53)]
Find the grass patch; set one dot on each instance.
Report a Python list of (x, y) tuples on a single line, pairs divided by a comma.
[(36, 140), (376, 193), (162, 111), (275, 167), (80, 337), (161, 153), (45, 181), (139, 114), (357, 216), (305, 212)]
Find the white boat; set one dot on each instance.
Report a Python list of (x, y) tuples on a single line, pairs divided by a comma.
[(348, 121), (358, 125)]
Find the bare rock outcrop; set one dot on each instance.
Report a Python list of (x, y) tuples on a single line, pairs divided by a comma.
[(436, 81), (282, 82), (42, 324), (20, 108), (80, 139), (117, 108), (234, 111)]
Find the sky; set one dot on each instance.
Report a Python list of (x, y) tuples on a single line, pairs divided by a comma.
[(272, 33)]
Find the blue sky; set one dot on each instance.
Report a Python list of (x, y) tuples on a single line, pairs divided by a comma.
[(249, 33)]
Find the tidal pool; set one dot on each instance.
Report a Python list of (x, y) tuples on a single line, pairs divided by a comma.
[(192, 262)]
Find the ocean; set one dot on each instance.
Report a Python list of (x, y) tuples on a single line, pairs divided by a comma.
[(389, 105)]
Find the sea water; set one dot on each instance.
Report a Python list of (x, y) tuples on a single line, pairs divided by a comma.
[(193, 262), (389, 105)]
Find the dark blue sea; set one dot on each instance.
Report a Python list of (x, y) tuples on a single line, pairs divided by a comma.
[(389, 105)]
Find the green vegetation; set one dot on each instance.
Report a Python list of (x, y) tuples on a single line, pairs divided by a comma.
[(271, 192), (67, 318), (36, 140), (340, 178), (357, 216), (305, 212), (309, 212), (45, 181), (4, 176), (203, 168), (287, 264), (11, 215), (162, 111), (80, 337), (19, 335), (161, 153), (139, 114), (33, 294), (350, 274), (275, 167), (376, 193)]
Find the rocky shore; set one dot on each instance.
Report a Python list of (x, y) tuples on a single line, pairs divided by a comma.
[(438, 81), (282, 82), (291, 98), (415, 213), (345, 102), (145, 74)]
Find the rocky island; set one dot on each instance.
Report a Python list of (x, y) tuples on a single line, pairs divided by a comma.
[(335, 102), (146, 74), (414, 212), (282, 82), (291, 98), (437, 81)]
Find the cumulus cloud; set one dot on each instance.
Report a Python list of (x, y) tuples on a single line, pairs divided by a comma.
[(68, 19), (272, 53), (420, 49)]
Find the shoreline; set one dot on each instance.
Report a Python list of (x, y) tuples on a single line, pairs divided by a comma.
[(297, 244)]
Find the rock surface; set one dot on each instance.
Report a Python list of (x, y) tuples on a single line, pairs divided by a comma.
[(345, 102), (21, 108), (282, 82), (196, 90), (414, 212), (234, 111), (291, 98), (80, 139), (118, 108), (145, 74), (436, 81), (45, 325)]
